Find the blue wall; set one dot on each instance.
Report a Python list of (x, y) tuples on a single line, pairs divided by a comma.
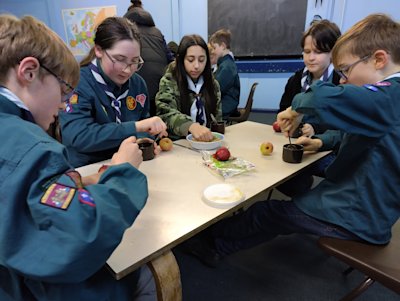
[(176, 18)]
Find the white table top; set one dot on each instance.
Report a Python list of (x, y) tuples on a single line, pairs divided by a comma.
[(175, 210)]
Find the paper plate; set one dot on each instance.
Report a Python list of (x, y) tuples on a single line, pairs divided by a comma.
[(222, 195)]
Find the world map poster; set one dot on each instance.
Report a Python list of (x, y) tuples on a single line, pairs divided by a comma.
[(80, 25)]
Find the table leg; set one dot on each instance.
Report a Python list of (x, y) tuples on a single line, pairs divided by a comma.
[(167, 276)]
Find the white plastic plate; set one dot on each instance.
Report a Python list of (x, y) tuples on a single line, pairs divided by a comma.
[(222, 195)]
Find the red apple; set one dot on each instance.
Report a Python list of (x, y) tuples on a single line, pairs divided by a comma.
[(266, 148), (276, 127), (165, 144), (222, 154)]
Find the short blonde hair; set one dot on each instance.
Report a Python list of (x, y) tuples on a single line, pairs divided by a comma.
[(374, 32), (29, 37)]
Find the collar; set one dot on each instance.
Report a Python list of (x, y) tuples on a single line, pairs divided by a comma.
[(397, 74), (195, 87), (11, 104), (13, 98)]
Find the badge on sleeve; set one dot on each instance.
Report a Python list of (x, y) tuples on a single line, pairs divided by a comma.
[(130, 103), (58, 196), (141, 98), (85, 197)]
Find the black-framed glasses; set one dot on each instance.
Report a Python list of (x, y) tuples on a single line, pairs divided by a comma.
[(345, 70), (122, 65), (70, 90)]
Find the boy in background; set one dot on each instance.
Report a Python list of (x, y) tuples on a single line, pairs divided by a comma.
[(226, 72), (57, 229)]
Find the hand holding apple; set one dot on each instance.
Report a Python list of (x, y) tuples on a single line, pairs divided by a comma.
[(276, 127), (266, 148)]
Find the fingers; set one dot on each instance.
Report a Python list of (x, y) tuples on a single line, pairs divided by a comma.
[(308, 130)]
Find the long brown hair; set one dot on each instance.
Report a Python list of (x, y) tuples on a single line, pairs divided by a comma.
[(110, 31), (179, 73)]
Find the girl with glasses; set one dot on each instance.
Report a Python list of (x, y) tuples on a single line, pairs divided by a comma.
[(111, 101)]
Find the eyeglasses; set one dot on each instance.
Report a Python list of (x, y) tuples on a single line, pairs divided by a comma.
[(344, 71), (122, 65), (69, 91)]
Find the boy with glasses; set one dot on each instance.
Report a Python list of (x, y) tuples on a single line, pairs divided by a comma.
[(57, 229), (359, 198)]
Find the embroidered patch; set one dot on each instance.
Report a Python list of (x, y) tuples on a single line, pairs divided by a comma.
[(382, 84), (371, 87), (58, 196), (73, 99), (141, 98), (130, 103), (85, 197)]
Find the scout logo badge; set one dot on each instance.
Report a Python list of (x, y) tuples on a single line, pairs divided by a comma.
[(141, 98), (58, 196), (130, 103), (73, 100)]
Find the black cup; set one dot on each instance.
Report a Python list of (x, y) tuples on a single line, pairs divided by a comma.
[(218, 127), (292, 153), (147, 150)]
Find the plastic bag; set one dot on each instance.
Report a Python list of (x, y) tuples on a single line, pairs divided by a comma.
[(229, 168)]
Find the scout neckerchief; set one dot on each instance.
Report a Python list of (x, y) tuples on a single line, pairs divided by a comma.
[(197, 110), (115, 101), (26, 114), (306, 77)]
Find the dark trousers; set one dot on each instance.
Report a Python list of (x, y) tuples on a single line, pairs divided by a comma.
[(264, 221)]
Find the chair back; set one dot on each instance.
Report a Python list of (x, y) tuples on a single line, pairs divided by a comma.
[(245, 112)]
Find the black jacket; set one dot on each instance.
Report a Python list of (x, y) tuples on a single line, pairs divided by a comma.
[(154, 51)]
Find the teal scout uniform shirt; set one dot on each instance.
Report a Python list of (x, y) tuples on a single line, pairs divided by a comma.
[(88, 126), (361, 189), (168, 106), (55, 234), (229, 83)]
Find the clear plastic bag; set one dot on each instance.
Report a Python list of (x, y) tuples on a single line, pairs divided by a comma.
[(229, 168)]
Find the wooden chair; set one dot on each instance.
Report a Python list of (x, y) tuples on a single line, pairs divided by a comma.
[(379, 263), (244, 112)]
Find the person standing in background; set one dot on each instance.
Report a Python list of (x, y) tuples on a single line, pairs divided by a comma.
[(226, 72), (154, 50)]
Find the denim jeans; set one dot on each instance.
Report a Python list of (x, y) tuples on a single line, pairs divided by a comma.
[(264, 221)]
